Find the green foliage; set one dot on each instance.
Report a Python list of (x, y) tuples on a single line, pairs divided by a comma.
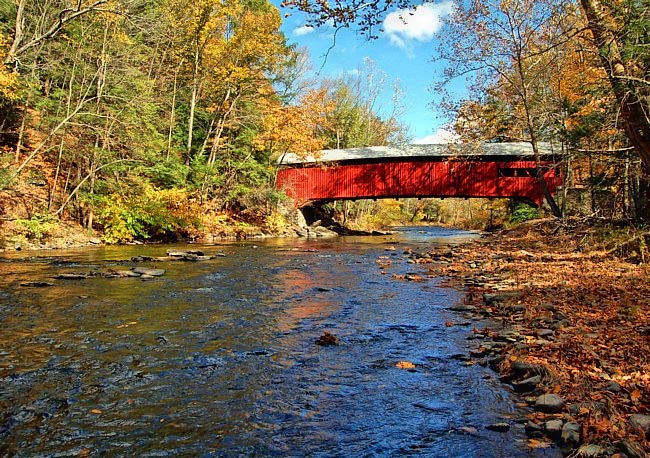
[(157, 213), (168, 173), (524, 212), (38, 228)]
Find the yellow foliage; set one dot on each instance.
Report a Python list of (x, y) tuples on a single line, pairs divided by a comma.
[(296, 128), (8, 77)]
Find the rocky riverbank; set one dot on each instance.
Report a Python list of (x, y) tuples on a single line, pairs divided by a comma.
[(572, 334), (16, 237)]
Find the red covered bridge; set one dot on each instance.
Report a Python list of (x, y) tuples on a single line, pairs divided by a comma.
[(448, 170)]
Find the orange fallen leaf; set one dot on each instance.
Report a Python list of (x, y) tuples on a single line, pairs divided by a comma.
[(635, 396), (405, 365), (536, 443), (449, 323), (96, 411)]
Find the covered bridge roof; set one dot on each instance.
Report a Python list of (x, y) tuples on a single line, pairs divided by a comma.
[(439, 151)]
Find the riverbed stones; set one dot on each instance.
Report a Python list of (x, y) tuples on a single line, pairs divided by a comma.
[(36, 284), (640, 421), (544, 333), (500, 427), (126, 273), (493, 298), (521, 369), (549, 403), (591, 451), (72, 276), (631, 449), (462, 308), (327, 339), (570, 434), (175, 253), (528, 384), (148, 271), (554, 428)]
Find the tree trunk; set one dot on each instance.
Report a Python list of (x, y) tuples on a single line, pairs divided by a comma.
[(195, 90), (633, 107)]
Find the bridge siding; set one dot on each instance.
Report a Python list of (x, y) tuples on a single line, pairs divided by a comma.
[(411, 178)]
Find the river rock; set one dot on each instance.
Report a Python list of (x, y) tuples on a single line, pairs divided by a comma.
[(631, 449), (517, 308), (462, 308), (173, 253), (127, 273), (549, 403), (591, 451), (520, 369), (321, 231), (37, 284), (640, 421), (501, 427), (148, 271), (570, 434), (492, 298), (528, 384), (327, 339), (553, 427), (434, 406), (71, 276), (545, 333), (533, 429)]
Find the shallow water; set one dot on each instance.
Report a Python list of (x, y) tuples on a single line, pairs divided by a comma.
[(218, 358)]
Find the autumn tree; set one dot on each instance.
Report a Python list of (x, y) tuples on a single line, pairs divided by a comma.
[(621, 33), (619, 28)]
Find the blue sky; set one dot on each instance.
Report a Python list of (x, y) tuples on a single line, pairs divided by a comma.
[(404, 52)]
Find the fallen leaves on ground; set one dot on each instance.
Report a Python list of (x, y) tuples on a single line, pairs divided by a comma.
[(600, 354)]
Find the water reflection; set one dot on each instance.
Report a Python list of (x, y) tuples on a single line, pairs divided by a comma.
[(217, 358)]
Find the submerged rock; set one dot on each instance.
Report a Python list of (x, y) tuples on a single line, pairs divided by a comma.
[(148, 271), (501, 427), (72, 276), (36, 284), (327, 339)]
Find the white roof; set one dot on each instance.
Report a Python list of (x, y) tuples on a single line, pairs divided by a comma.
[(413, 151)]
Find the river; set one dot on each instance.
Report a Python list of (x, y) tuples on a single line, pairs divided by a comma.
[(218, 357)]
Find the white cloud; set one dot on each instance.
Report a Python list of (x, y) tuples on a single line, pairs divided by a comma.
[(440, 136), (303, 30), (421, 23)]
